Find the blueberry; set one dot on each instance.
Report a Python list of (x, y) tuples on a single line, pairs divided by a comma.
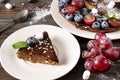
[(78, 18), (105, 25), (99, 19), (85, 11), (77, 12), (63, 11), (31, 41), (69, 17), (66, 1), (3, 1), (32, 1), (96, 25), (61, 4)]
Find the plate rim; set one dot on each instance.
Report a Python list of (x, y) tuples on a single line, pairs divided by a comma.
[(78, 45)]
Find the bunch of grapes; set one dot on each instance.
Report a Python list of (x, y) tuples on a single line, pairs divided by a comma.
[(100, 53)]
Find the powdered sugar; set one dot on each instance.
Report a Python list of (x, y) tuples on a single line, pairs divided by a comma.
[(39, 14)]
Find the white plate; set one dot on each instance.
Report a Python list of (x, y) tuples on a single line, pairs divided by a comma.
[(60, 20), (68, 52)]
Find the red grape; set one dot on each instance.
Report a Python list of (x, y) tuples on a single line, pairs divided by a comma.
[(78, 4), (101, 63), (89, 64), (112, 53), (100, 35), (70, 9), (95, 51), (89, 19), (105, 43), (85, 54), (95, 60), (118, 49), (92, 43)]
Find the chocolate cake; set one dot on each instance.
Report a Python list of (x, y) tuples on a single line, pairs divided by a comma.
[(74, 11), (42, 52)]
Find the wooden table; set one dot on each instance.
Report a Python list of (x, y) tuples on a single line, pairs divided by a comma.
[(76, 73)]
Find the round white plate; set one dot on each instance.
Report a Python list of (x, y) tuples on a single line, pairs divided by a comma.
[(61, 21), (67, 49)]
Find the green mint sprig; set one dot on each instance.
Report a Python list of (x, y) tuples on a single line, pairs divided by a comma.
[(107, 16), (20, 44)]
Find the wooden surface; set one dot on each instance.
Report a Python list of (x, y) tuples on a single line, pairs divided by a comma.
[(76, 73)]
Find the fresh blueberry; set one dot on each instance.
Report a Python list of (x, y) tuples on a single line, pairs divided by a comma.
[(78, 18), (96, 25), (31, 41), (3, 1), (63, 11), (61, 4), (66, 1), (99, 19), (77, 12), (69, 17), (105, 25), (85, 11)]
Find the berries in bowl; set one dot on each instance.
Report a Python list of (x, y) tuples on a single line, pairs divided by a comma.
[(91, 15)]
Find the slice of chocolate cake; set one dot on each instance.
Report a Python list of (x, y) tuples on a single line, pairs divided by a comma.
[(42, 52)]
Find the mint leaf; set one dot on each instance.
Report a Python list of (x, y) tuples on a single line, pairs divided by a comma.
[(114, 16), (106, 15), (20, 44)]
